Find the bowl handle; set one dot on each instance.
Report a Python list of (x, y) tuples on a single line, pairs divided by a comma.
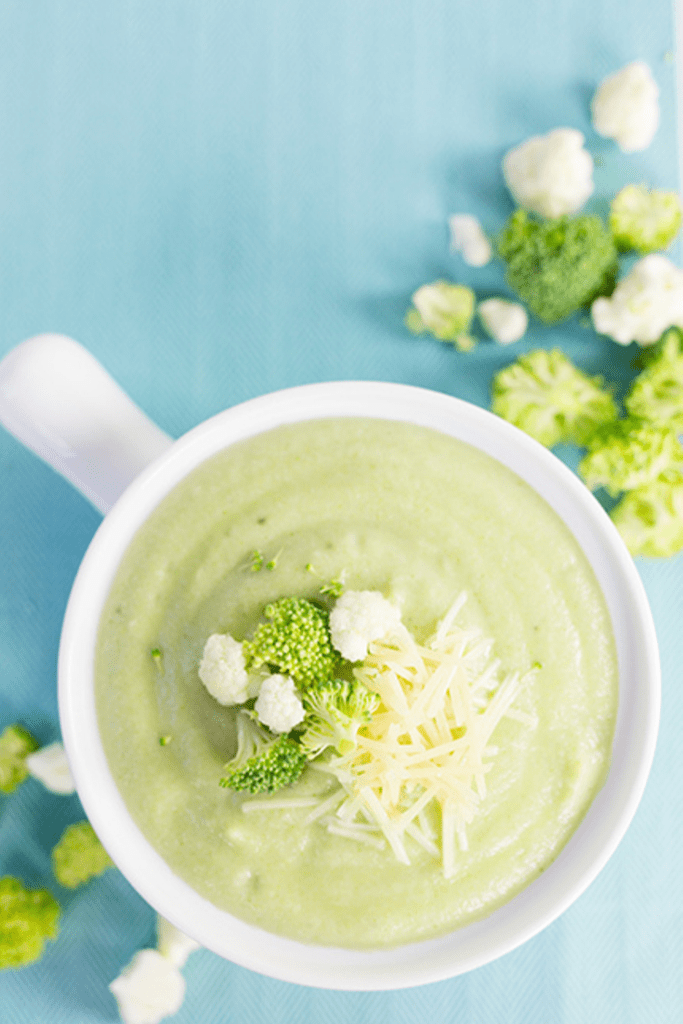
[(62, 404)]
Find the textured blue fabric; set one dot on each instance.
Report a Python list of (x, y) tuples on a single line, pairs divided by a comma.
[(221, 199)]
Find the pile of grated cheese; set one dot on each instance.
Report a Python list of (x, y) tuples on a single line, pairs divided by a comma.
[(419, 768)]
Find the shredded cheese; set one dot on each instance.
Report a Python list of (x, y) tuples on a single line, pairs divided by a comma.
[(419, 767)]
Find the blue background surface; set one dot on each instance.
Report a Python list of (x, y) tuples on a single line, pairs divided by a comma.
[(221, 199)]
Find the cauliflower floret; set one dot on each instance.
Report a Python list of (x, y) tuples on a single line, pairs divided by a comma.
[(505, 321), (643, 219), (50, 766), (647, 301), (223, 670), (175, 945), (552, 174), (625, 107), (358, 618), (468, 238), (278, 705), (148, 989), (445, 310)]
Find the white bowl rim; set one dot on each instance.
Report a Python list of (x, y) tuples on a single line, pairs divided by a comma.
[(589, 848)]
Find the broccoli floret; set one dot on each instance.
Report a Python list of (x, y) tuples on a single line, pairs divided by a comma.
[(558, 266), (28, 918), (657, 392), (263, 763), (644, 221), (334, 714), (545, 395), (650, 519), (16, 743), (79, 856), (444, 310), (295, 640), (630, 453)]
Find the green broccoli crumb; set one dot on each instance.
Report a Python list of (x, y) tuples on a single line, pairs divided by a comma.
[(545, 395), (28, 918), (335, 711), (644, 220), (164, 740), (629, 454), (79, 856), (256, 561), (558, 266), (263, 763), (16, 743), (295, 640), (272, 564), (156, 655), (334, 588)]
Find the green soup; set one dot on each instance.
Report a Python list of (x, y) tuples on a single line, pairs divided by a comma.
[(421, 517)]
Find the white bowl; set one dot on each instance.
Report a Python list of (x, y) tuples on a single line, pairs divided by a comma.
[(639, 680)]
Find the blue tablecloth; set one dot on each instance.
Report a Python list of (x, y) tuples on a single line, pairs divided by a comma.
[(221, 199)]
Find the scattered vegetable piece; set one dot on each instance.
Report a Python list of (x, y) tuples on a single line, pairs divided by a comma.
[(551, 175), (50, 766), (644, 220), (557, 266), (256, 561), (278, 705), (630, 454), (295, 640), (640, 455), (545, 395), (28, 918), (263, 763), (223, 670), (505, 321), (644, 304), (358, 618), (150, 988), (444, 310), (79, 856), (334, 714), (175, 945), (16, 743), (469, 239), (656, 394), (334, 588), (625, 107), (650, 519)]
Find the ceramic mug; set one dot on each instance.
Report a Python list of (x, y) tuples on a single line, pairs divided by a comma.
[(58, 400)]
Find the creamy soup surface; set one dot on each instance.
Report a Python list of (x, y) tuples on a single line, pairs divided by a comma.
[(420, 517)]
